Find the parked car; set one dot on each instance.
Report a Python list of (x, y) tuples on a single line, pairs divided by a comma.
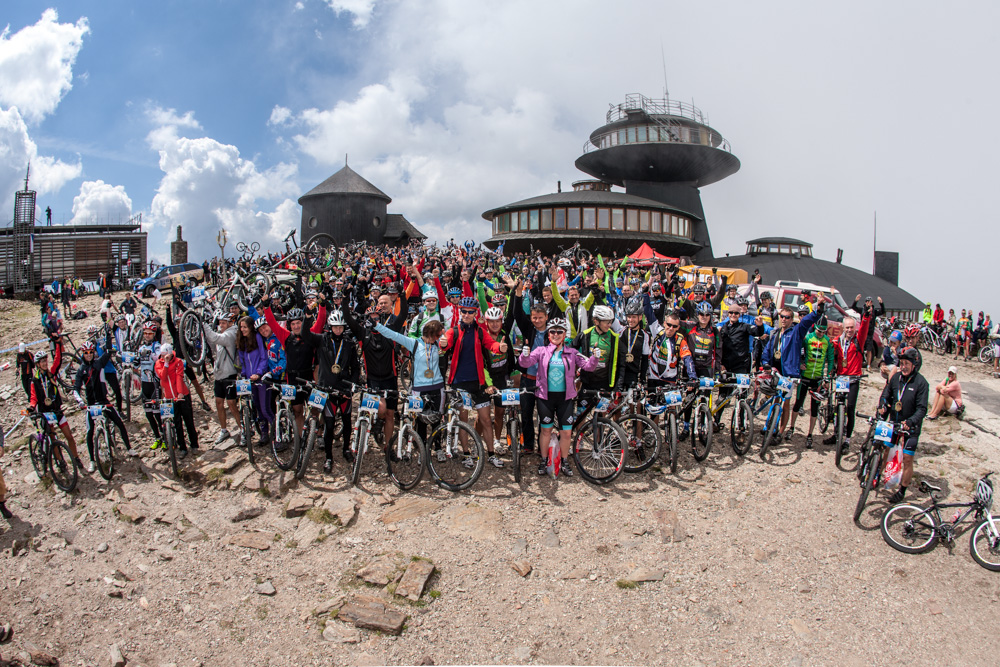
[(163, 276)]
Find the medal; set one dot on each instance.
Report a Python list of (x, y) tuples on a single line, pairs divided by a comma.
[(898, 407), (629, 357), (335, 368), (428, 373)]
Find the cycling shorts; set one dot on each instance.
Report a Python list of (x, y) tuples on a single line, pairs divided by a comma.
[(554, 408)]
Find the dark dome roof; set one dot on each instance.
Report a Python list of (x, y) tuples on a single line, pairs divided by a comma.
[(346, 182), (780, 239), (586, 198)]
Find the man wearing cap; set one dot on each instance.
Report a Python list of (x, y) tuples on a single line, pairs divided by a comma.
[(948, 397), (224, 342), (889, 364)]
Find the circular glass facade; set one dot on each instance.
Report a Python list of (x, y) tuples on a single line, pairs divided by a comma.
[(564, 219)]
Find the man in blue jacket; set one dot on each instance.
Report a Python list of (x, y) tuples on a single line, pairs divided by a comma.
[(783, 351)]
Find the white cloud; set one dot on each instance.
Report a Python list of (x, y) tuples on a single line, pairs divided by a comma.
[(160, 116), (299, 6), (207, 186), (362, 10), (36, 64), (16, 151), (102, 202), (279, 115)]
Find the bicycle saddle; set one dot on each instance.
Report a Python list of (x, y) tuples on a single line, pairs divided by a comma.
[(928, 488)]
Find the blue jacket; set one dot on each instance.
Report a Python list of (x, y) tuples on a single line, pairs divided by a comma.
[(791, 345), (425, 357)]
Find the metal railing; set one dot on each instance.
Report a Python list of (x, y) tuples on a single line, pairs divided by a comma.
[(662, 107), (666, 134)]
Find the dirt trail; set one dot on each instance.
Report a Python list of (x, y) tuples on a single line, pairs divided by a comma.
[(744, 561)]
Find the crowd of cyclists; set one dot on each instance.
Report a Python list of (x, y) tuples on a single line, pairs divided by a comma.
[(570, 335)]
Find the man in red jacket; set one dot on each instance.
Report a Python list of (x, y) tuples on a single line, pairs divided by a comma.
[(850, 353), (466, 371), (170, 369)]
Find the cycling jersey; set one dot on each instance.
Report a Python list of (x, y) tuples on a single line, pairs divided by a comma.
[(148, 354), (704, 346), (818, 357)]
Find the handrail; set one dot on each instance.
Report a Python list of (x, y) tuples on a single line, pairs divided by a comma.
[(597, 142), (661, 107)]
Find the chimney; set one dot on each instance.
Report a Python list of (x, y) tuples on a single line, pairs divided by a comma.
[(840, 255), (558, 186), (179, 233)]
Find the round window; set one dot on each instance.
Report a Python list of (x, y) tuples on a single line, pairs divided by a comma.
[(376, 221), (313, 222)]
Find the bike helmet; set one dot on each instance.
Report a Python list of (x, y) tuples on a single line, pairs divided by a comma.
[(454, 292), (913, 355), (699, 288), (821, 325), (655, 287), (166, 348), (767, 295), (149, 326), (896, 335), (634, 281), (603, 313), (120, 317), (911, 331), (494, 314), (336, 319), (731, 287), (92, 330), (295, 314), (337, 294), (984, 492), (259, 322), (705, 308), (375, 288), (468, 302), (372, 310), (428, 276), (88, 347), (311, 294), (41, 354), (564, 263), (558, 324), (803, 310), (499, 300), (633, 306), (742, 301)]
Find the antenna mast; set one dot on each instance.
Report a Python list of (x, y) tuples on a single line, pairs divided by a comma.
[(663, 57)]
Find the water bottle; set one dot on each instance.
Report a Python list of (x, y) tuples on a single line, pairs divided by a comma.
[(525, 350), (5, 366)]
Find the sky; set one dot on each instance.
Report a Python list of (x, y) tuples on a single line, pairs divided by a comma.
[(221, 113)]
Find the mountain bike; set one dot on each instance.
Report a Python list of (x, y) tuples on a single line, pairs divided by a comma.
[(841, 390), (510, 399), (130, 382), (454, 465), (777, 389), (874, 456), (287, 437), (245, 396), (316, 403), (644, 437), (49, 454), (915, 530), (598, 443), (667, 405), (368, 409), (405, 456), (192, 337), (741, 434), (166, 409), (988, 350), (105, 436), (930, 340)]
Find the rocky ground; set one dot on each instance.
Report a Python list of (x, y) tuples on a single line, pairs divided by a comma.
[(737, 561)]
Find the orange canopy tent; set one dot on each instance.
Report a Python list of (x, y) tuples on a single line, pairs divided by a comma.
[(646, 254)]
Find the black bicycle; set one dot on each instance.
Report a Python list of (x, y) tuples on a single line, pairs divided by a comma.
[(50, 454), (874, 456), (915, 530)]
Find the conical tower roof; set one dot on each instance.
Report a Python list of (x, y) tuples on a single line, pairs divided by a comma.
[(346, 182)]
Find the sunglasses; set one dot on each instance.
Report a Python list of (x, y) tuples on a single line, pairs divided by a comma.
[(466, 311), (557, 332), (785, 317), (668, 325), (703, 315)]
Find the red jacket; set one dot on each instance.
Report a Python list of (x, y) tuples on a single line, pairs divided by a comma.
[(172, 378), (454, 340), (850, 358)]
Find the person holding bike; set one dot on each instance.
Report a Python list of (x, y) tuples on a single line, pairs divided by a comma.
[(24, 366), (147, 355), (251, 349), (428, 381), (45, 397), (300, 350), (904, 399), (602, 342), (188, 370), (849, 351), (499, 366), (819, 361), (169, 369), (88, 378), (110, 371), (339, 370), (736, 336), (555, 387), (704, 343), (533, 330), (224, 342), (636, 341), (470, 345)]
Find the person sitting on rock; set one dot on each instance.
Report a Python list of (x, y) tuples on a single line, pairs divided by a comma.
[(948, 397)]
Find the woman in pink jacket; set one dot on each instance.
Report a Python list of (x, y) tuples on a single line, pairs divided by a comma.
[(555, 388), (948, 397)]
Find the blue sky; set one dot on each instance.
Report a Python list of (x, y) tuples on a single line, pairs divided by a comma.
[(222, 112)]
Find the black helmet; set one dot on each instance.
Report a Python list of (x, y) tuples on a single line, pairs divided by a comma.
[(804, 310), (699, 288), (295, 314), (633, 306), (912, 355), (741, 301)]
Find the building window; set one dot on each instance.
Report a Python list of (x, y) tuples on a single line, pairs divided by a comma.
[(603, 218), (618, 219), (523, 217), (313, 222), (621, 136), (590, 218), (560, 218), (786, 249), (641, 133), (546, 218), (631, 135), (656, 215), (376, 222), (643, 221), (533, 220), (633, 219), (573, 218)]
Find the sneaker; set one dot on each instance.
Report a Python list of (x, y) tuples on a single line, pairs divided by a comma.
[(788, 435), (4, 512), (182, 453), (809, 442), (527, 449), (499, 446), (897, 497), (564, 468), (542, 469), (328, 466), (133, 452), (832, 440), (348, 455), (223, 436), (157, 444), (204, 406), (91, 468), (469, 462), (960, 413), (441, 456), (495, 461)]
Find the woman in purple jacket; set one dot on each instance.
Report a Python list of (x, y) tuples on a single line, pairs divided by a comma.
[(253, 363), (555, 387)]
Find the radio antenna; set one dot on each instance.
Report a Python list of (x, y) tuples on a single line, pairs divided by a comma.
[(663, 57)]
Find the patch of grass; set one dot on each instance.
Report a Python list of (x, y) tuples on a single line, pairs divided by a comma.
[(419, 558), (391, 588), (214, 475), (261, 613), (419, 603), (322, 537), (435, 594), (321, 515), (264, 491), (277, 537), (625, 584), (291, 544)]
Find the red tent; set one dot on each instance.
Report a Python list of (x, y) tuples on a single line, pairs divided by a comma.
[(647, 254)]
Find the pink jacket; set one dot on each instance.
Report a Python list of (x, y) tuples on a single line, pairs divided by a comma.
[(572, 359)]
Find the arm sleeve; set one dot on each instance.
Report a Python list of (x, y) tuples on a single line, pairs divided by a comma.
[(559, 300), (279, 331), (317, 326)]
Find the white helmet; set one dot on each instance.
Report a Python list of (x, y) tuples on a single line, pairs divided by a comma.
[(603, 313), (494, 314), (336, 319), (21, 347)]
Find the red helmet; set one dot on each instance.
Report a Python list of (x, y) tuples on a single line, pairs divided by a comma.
[(150, 326), (911, 330)]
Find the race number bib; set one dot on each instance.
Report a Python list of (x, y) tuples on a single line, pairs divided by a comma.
[(743, 381), (602, 405), (166, 409), (785, 384), (288, 392), (414, 404), (883, 431), (510, 397), (672, 398), (706, 383), (243, 387), (96, 410), (198, 294), (128, 358), (466, 399), (369, 403), (50, 417), (842, 385), (317, 399)]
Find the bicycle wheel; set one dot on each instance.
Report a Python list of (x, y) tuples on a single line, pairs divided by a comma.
[(62, 466), (103, 454), (909, 529), (404, 458), (306, 452), (320, 252), (984, 544), (170, 438), (37, 453), (672, 441), (192, 339), (865, 455), (771, 425), (644, 442), (701, 436), (67, 372), (285, 446), (515, 441), (599, 450), (843, 444), (741, 428), (986, 354), (247, 435), (258, 277), (360, 447), (872, 468), (454, 473), (825, 417)]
